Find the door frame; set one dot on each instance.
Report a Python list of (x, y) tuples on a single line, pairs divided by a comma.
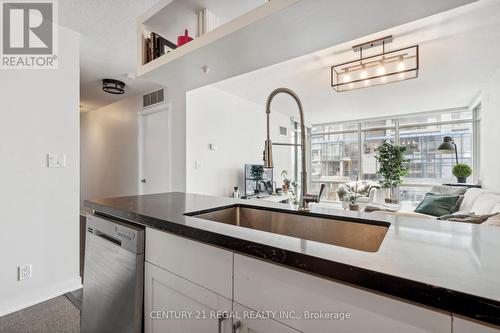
[(162, 107)]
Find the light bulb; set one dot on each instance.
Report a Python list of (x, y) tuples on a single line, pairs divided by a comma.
[(380, 69), (346, 78), (401, 65), (363, 74)]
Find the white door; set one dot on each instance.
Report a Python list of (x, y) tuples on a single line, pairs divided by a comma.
[(175, 305), (250, 323), (154, 150)]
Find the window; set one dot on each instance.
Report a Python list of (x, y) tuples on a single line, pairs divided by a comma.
[(334, 158), (372, 139), (340, 151), (422, 142), (296, 153)]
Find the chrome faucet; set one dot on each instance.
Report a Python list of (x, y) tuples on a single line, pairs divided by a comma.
[(305, 198)]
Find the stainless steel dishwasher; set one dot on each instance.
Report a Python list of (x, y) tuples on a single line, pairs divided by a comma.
[(113, 278)]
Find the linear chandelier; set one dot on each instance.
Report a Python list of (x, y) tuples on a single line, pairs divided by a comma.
[(386, 67)]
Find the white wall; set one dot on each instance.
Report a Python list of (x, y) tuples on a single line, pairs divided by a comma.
[(490, 120), (238, 127), (109, 150), (177, 99), (40, 216)]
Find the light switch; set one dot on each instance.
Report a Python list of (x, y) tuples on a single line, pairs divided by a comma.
[(197, 165), (56, 161)]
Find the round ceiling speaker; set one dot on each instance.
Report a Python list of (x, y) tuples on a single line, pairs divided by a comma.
[(113, 86)]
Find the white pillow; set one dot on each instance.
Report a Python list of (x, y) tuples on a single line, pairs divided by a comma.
[(448, 190), (484, 203), (496, 209), (470, 197)]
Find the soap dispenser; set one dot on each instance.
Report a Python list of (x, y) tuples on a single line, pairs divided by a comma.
[(236, 193)]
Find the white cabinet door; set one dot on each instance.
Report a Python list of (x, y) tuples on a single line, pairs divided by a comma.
[(248, 322), (205, 265), (463, 325), (175, 305), (326, 306)]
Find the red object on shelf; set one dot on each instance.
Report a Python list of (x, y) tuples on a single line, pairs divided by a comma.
[(181, 40)]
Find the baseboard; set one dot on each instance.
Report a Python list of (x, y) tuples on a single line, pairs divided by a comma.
[(37, 296)]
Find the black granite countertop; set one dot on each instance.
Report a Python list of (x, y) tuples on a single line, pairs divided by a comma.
[(447, 265)]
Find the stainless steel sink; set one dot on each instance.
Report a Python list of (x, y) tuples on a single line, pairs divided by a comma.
[(355, 235)]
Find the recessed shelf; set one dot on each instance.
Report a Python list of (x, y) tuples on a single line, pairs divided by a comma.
[(170, 18)]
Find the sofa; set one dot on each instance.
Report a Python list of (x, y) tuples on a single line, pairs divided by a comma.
[(475, 200), (480, 202), (365, 192)]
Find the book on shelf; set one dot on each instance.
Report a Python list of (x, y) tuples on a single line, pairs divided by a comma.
[(156, 46), (206, 22), (146, 47)]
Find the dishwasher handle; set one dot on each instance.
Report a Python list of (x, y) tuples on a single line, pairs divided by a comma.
[(108, 237), (128, 236)]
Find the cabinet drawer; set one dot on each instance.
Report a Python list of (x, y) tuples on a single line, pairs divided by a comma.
[(173, 304), (206, 265), (463, 325), (251, 324), (265, 286)]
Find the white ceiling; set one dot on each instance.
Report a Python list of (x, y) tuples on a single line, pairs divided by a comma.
[(107, 46), (108, 39), (459, 51)]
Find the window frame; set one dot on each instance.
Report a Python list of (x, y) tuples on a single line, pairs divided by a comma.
[(397, 127)]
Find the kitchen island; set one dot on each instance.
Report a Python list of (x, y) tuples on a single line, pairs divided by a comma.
[(425, 276)]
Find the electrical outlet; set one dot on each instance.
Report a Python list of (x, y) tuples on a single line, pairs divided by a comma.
[(24, 272), (56, 161)]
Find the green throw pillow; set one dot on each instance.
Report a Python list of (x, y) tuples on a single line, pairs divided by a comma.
[(438, 205)]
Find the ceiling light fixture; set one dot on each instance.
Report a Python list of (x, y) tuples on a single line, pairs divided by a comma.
[(112, 86), (368, 71)]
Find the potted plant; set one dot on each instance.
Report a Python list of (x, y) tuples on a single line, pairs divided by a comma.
[(286, 181), (256, 171), (393, 165), (353, 199), (462, 171)]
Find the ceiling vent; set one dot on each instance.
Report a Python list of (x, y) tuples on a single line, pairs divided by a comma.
[(153, 98)]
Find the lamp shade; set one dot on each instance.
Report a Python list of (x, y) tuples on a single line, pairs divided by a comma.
[(447, 147)]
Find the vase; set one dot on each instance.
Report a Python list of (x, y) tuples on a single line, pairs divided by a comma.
[(392, 195), (461, 180), (354, 207)]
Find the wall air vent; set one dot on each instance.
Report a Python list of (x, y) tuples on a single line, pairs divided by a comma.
[(153, 98), (283, 130)]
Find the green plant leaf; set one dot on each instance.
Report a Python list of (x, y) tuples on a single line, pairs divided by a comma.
[(393, 164), (462, 170)]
